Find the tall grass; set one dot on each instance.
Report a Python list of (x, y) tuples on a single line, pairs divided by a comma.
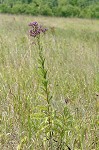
[(71, 52)]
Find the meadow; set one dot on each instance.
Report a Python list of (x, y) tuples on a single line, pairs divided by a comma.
[(71, 54)]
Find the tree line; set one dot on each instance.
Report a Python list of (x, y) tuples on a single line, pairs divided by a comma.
[(65, 8)]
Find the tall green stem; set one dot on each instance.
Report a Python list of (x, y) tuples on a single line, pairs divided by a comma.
[(46, 90)]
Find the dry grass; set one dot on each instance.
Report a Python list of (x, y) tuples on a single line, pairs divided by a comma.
[(72, 60)]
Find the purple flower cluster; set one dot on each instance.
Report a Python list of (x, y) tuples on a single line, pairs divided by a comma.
[(36, 29)]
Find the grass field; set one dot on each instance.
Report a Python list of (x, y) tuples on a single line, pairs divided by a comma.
[(71, 51)]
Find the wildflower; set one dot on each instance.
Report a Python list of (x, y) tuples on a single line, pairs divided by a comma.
[(36, 29), (33, 23)]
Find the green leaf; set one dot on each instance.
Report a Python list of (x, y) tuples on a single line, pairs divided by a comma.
[(38, 116)]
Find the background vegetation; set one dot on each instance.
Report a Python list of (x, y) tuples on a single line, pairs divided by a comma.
[(71, 54), (66, 8)]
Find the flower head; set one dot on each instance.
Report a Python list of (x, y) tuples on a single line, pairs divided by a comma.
[(36, 29), (33, 23)]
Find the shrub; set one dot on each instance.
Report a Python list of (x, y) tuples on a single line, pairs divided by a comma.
[(5, 8), (85, 13), (19, 8), (90, 12), (31, 9), (46, 10), (94, 11), (69, 10)]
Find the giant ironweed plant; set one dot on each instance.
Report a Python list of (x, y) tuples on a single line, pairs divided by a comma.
[(53, 126), (35, 32)]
